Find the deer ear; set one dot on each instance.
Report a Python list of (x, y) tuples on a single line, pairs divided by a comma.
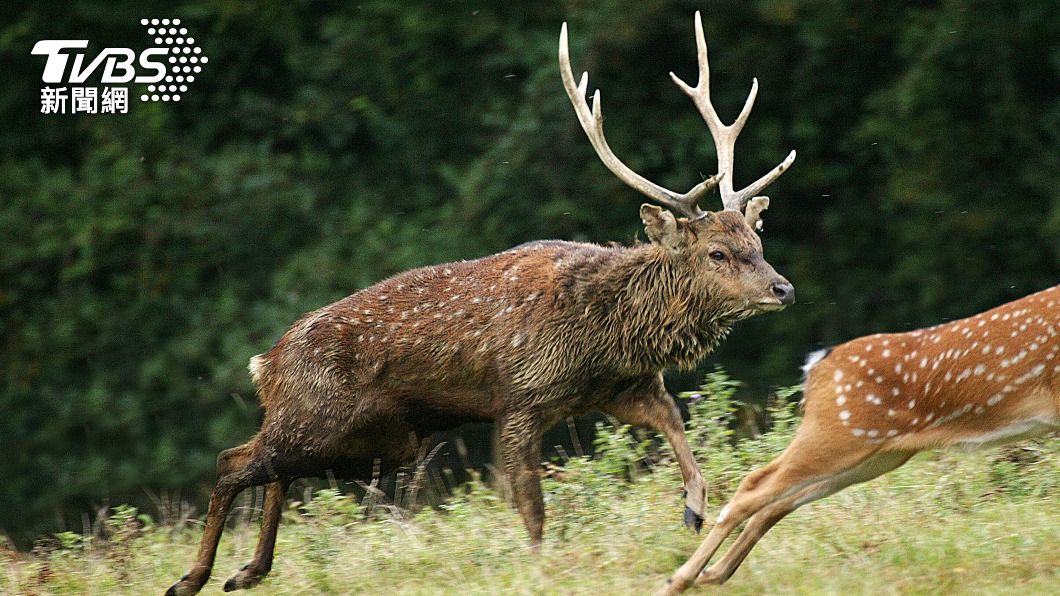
[(661, 227)]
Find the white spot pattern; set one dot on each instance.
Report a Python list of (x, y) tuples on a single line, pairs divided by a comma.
[(991, 362)]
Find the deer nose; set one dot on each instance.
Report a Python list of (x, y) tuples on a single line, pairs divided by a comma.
[(785, 292)]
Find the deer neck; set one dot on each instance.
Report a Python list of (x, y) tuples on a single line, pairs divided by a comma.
[(656, 311)]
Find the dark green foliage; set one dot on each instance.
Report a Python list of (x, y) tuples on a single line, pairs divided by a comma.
[(146, 257)]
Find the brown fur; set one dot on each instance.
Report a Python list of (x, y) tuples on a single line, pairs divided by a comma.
[(525, 338), (874, 402)]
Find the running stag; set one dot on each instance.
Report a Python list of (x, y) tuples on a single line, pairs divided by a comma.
[(523, 338)]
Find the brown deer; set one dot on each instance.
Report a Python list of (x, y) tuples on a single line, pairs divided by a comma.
[(523, 338), (874, 402)]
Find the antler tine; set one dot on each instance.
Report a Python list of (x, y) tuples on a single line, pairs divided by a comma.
[(725, 136), (592, 122)]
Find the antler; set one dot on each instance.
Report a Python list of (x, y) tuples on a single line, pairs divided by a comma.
[(592, 123), (725, 136)]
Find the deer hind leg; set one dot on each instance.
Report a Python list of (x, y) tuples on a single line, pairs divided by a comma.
[(237, 469), (761, 522), (252, 573), (364, 456), (806, 463)]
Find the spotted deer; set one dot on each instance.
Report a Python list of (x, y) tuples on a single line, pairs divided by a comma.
[(874, 402), (523, 338)]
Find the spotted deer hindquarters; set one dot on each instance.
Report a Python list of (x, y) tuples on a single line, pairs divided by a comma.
[(866, 387), (975, 381)]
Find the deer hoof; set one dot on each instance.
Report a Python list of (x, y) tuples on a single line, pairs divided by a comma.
[(709, 578), (670, 588), (248, 577), (184, 588), (693, 520)]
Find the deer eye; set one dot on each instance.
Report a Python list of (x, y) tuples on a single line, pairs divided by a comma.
[(717, 255)]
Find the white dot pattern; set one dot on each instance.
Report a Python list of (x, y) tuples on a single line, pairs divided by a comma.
[(184, 57), (962, 379)]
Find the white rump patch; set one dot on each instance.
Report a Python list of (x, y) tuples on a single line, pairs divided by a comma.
[(813, 358)]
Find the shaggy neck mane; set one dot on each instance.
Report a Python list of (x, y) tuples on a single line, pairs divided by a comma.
[(647, 299)]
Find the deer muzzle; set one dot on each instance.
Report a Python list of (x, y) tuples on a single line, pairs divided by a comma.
[(780, 294)]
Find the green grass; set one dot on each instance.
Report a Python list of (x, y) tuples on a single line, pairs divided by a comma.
[(982, 522)]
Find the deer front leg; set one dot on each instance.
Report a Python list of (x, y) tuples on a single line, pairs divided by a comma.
[(520, 439), (652, 406)]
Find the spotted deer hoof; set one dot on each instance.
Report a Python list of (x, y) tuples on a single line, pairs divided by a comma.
[(670, 588), (693, 520), (709, 578), (248, 577)]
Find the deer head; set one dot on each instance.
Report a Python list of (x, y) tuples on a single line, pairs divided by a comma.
[(722, 245)]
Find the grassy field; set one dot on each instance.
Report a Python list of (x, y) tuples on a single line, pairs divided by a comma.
[(982, 522)]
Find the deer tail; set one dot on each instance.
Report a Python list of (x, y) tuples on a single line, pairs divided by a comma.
[(260, 369), (812, 360)]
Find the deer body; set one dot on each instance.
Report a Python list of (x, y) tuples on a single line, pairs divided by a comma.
[(874, 402), (548, 328), (984, 380), (523, 338)]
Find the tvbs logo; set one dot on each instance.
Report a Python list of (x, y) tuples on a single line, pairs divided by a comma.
[(118, 66), (166, 69)]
